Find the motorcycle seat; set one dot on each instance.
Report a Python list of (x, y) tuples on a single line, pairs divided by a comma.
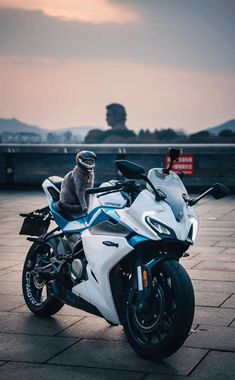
[(57, 181), (67, 215)]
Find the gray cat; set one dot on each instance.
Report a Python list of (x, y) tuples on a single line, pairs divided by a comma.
[(72, 196)]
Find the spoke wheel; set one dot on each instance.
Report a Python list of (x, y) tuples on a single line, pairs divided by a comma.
[(147, 320), (35, 291), (161, 327)]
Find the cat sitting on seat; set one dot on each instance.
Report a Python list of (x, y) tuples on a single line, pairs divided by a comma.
[(72, 196)]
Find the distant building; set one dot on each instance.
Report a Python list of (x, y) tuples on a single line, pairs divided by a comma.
[(21, 138), (63, 138)]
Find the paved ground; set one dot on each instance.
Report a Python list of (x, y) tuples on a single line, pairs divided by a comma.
[(77, 345)]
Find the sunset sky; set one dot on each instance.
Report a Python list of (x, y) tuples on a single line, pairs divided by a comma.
[(171, 63)]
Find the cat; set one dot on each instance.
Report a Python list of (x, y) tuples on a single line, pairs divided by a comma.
[(72, 197)]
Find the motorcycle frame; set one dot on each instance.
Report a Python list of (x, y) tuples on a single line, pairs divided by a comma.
[(102, 258)]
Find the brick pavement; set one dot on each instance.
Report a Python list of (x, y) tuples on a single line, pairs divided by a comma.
[(78, 345)]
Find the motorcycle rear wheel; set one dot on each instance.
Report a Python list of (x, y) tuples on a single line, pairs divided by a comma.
[(160, 331), (35, 292)]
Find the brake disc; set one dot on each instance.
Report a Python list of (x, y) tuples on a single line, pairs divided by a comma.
[(147, 320)]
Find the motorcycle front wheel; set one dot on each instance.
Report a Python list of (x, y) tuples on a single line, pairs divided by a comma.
[(35, 291), (160, 329)]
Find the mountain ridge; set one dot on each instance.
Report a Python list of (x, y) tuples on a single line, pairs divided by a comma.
[(230, 124), (14, 125)]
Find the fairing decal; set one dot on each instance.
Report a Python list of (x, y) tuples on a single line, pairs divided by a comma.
[(96, 216)]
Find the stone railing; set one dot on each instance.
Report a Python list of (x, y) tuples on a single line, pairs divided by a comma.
[(27, 165)]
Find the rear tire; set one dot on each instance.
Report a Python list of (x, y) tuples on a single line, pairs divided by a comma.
[(160, 331), (36, 294)]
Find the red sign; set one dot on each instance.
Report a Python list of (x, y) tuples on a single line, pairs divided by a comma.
[(185, 164)]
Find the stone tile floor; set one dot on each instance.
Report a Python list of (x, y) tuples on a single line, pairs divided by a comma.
[(74, 344)]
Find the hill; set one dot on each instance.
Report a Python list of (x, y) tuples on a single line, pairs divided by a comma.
[(14, 125), (227, 125), (77, 131)]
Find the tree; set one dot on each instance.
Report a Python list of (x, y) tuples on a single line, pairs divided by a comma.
[(51, 137), (95, 136), (68, 136), (201, 136), (226, 133), (167, 134)]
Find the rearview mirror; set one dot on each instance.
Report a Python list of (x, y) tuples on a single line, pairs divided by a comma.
[(174, 154), (219, 191), (130, 170)]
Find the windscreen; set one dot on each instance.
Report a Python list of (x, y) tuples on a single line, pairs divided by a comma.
[(173, 188)]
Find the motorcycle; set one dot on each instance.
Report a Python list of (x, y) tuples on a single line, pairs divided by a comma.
[(121, 260)]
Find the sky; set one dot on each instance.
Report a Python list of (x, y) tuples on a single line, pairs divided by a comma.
[(171, 63)]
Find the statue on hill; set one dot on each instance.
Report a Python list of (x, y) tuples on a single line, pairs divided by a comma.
[(116, 116)]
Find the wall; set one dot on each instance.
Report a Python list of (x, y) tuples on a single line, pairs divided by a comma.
[(28, 165)]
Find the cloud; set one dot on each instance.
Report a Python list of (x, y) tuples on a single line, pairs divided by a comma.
[(94, 11), (185, 34), (200, 33), (32, 33)]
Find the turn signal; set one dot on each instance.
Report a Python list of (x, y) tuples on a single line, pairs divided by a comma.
[(145, 279)]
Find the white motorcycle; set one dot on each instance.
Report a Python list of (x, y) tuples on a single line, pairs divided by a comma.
[(121, 261)]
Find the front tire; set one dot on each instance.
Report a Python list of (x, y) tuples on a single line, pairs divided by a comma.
[(160, 330), (35, 292)]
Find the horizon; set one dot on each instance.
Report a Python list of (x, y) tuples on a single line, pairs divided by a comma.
[(171, 64), (108, 128)]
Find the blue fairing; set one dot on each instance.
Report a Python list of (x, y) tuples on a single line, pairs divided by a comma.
[(81, 224), (137, 239)]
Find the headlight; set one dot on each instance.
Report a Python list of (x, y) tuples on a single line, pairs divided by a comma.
[(160, 228), (194, 228)]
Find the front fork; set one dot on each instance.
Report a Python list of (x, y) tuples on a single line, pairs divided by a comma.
[(142, 287), (143, 280)]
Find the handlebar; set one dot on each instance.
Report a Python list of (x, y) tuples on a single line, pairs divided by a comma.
[(128, 186), (103, 189)]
